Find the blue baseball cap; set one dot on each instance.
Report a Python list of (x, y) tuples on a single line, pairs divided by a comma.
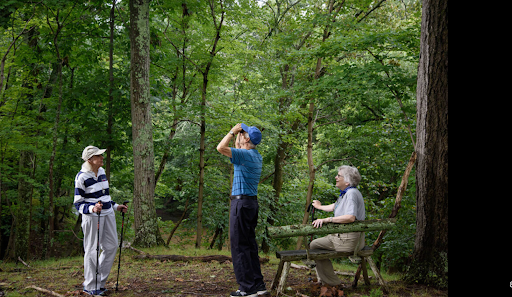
[(254, 133)]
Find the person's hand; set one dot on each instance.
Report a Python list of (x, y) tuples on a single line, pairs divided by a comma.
[(122, 208), (317, 204), (237, 128), (318, 223), (97, 208)]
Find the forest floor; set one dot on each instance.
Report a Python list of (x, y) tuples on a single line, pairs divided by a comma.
[(151, 277), (166, 278)]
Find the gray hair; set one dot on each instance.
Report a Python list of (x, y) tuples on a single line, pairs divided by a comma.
[(251, 145), (350, 174)]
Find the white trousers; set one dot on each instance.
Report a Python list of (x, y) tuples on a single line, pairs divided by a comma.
[(108, 246)]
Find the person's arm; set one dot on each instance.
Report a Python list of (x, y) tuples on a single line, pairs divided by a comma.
[(318, 205), (223, 146), (344, 219), (79, 201)]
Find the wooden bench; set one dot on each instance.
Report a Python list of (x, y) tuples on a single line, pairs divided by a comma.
[(363, 256)]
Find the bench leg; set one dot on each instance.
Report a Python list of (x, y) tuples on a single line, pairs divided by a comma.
[(282, 281), (365, 272), (356, 277), (377, 274), (278, 275)]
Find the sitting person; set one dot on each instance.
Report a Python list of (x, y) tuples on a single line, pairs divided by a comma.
[(348, 208)]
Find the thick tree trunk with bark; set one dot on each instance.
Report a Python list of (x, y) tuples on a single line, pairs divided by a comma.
[(430, 258), (147, 233)]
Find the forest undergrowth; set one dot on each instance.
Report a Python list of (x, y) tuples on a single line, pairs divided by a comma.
[(151, 277)]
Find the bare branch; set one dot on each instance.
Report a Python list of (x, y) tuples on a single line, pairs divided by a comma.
[(368, 13)]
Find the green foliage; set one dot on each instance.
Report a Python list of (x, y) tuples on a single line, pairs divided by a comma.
[(375, 293), (263, 75)]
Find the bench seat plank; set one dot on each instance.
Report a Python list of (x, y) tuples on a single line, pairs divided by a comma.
[(319, 254)]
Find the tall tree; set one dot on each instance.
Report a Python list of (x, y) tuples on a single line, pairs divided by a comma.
[(430, 258), (333, 10), (110, 92), (56, 30), (218, 21), (23, 216), (147, 233), (285, 105)]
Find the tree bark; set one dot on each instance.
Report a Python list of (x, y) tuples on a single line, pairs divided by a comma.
[(334, 9), (430, 257), (311, 166), (213, 52), (110, 121), (53, 208), (22, 221), (199, 229), (330, 228), (147, 233)]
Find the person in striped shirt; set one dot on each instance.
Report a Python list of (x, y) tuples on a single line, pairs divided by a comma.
[(93, 201)]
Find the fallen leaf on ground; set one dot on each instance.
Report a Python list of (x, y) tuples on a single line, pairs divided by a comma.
[(324, 291)]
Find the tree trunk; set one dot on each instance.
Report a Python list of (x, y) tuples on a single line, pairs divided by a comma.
[(330, 228), (22, 220), (287, 78), (334, 9), (51, 192), (20, 226), (430, 257), (147, 233), (110, 120), (199, 233), (178, 223), (205, 72), (311, 166)]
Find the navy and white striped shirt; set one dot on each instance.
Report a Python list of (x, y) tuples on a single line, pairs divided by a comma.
[(89, 189), (248, 165)]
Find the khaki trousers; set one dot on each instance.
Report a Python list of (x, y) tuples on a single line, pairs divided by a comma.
[(344, 242)]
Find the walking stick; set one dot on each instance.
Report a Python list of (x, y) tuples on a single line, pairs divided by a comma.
[(120, 246), (98, 247)]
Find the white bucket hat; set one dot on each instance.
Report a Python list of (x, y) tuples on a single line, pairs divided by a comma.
[(91, 151)]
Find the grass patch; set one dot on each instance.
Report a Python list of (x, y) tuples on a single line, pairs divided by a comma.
[(152, 277)]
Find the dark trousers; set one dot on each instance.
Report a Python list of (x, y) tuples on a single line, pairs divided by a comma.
[(244, 249)]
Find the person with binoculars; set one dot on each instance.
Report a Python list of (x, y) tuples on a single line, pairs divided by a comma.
[(248, 164)]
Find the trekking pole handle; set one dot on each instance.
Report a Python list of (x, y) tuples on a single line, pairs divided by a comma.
[(101, 207)]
